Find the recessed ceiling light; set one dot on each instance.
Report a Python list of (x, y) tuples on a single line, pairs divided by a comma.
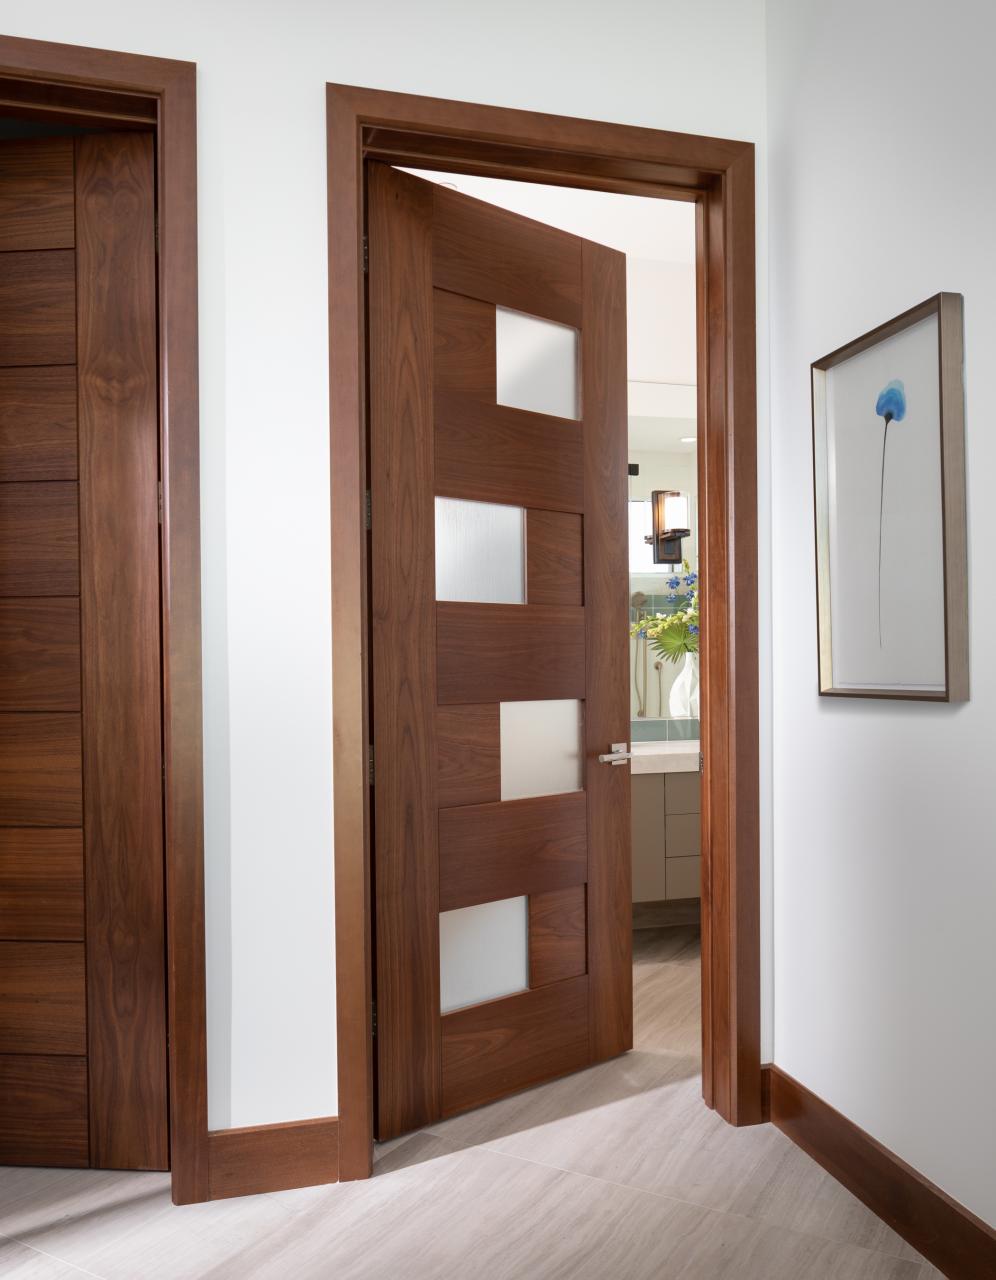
[(689, 439)]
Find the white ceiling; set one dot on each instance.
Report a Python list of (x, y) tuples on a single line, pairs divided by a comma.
[(661, 435), (639, 226)]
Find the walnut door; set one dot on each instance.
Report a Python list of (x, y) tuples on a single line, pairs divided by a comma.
[(501, 864), (82, 994)]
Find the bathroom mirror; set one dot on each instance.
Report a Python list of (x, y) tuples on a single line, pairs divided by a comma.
[(663, 600)]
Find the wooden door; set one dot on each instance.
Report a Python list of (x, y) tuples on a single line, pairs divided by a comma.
[(82, 982), (501, 868)]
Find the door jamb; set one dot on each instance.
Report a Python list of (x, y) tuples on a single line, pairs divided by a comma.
[(71, 84), (718, 175)]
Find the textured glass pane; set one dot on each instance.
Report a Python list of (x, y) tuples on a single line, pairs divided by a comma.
[(540, 748), (483, 952), (537, 364), (479, 552)]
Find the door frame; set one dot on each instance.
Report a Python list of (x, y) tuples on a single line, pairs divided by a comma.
[(718, 176), (74, 85)]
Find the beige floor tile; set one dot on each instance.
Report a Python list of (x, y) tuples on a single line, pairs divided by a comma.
[(18, 1262), (435, 1213), (123, 1226), (640, 1121), (617, 1173), (793, 1191)]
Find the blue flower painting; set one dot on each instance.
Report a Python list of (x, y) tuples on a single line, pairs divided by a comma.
[(891, 407)]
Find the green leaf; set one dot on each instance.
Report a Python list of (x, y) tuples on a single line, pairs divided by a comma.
[(675, 642)]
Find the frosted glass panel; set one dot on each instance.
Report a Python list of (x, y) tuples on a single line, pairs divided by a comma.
[(480, 548), (483, 952), (537, 364), (540, 748)]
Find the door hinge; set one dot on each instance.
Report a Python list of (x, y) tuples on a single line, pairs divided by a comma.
[(155, 224), (366, 255), (370, 765), (160, 502), (701, 762), (373, 1019), (368, 511)]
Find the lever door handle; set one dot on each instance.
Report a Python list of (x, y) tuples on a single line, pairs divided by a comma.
[(617, 754)]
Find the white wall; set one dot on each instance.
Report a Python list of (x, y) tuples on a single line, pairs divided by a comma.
[(882, 193), (261, 122)]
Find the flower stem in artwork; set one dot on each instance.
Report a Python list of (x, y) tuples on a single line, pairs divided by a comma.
[(891, 406)]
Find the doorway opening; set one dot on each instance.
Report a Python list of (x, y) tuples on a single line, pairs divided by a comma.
[(716, 177)]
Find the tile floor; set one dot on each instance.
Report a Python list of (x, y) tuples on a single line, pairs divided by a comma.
[(617, 1173)]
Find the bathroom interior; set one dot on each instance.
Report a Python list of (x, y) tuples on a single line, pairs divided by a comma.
[(658, 239)]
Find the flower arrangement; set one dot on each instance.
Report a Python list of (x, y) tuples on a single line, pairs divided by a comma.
[(672, 635)]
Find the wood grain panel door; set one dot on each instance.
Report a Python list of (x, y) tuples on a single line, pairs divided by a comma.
[(501, 866), (82, 965)]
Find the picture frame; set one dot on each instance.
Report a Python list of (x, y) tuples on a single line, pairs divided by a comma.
[(890, 509)]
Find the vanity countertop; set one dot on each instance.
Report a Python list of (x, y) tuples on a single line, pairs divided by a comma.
[(665, 757)]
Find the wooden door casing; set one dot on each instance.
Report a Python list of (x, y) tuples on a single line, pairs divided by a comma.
[(439, 265), (82, 930), (717, 174)]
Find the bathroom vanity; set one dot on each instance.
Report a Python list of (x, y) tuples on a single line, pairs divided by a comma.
[(666, 816)]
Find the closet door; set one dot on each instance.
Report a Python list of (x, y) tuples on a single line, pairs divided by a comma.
[(499, 580), (82, 967)]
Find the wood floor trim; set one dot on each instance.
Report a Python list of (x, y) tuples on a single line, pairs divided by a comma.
[(958, 1243), (273, 1157)]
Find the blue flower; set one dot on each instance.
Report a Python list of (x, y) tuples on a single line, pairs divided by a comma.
[(672, 595), (674, 582), (690, 579), (891, 402), (693, 630)]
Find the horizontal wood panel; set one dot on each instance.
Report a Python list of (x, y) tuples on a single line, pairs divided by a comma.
[(36, 194), (508, 653), (43, 1111), (557, 935), (80, 103), (490, 453), (464, 356), (501, 257), (493, 1049), (554, 558), (41, 884), (493, 851), (38, 423), (42, 997), (41, 782), (469, 752), (40, 655), (38, 307), (39, 539), (273, 1157)]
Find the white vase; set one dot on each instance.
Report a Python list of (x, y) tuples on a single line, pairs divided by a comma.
[(683, 701)]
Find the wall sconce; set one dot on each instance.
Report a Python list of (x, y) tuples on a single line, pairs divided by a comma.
[(670, 514)]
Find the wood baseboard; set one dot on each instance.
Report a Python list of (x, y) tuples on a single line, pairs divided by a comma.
[(667, 913), (273, 1157), (945, 1232)]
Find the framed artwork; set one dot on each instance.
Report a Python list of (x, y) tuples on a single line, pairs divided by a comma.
[(891, 541)]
